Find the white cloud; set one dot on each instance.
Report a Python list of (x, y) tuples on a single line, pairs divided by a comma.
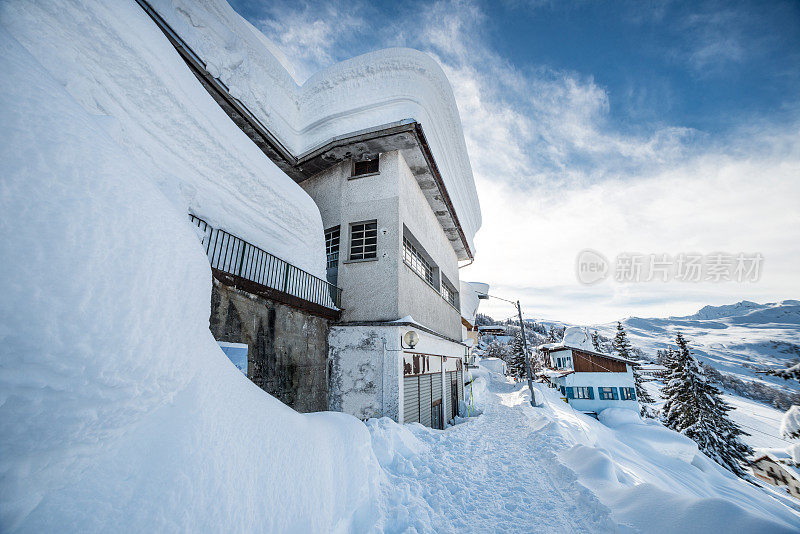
[(554, 177)]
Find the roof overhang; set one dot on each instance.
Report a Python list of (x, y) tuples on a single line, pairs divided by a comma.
[(408, 138)]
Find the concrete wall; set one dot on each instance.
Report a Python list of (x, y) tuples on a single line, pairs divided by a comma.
[(369, 287), (386, 289), (287, 348), (366, 369), (417, 298)]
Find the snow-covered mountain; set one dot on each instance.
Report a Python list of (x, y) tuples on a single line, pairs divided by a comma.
[(739, 339)]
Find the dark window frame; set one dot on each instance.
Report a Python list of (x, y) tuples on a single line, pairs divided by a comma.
[(363, 241), (333, 239), (417, 262), (366, 167)]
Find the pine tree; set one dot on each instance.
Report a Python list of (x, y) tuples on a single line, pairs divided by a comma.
[(596, 341), (695, 408), (621, 344), (516, 364), (642, 394)]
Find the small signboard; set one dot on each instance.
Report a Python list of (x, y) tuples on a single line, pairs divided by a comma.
[(236, 353)]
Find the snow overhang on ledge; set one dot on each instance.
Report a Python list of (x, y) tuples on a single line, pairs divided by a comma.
[(367, 104)]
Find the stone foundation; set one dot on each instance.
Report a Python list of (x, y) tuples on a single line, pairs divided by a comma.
[(288, 347)]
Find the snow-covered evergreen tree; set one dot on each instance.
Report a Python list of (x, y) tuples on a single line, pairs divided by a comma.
[(642, 395), (623, 348), (516, 363), (596, 341), (790, 373), (695, 408), (621, 344)]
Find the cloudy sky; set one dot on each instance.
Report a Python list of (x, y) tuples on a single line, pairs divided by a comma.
[(629, 128)]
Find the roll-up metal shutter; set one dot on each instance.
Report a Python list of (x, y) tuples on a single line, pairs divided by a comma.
[(425, 383), (448, 393), (460, 384), (436, 387), (411, 399)]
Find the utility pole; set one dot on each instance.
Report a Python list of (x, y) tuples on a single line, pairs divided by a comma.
[(527, 356), (528, 369)]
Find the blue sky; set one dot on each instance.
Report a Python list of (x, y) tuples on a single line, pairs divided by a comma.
[(650, 127)]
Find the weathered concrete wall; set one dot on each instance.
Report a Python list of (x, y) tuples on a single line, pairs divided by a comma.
[(366, 369), (288, 348)]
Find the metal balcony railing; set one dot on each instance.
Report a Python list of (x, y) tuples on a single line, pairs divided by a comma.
[(235, 256)]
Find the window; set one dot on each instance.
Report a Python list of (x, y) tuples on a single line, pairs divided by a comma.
[(332, 246), (608, 393), (628, 393), (584, 392), (364, 240), (564, 362), (448, 293), (365, 167), (414, 259)]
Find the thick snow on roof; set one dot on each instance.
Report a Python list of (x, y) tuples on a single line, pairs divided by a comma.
[(118, 411), (364, 92), (469, 299), (118, 65)]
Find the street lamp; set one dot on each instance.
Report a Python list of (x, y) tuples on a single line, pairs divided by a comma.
[(528, 370)]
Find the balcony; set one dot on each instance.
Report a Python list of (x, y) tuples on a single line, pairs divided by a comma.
[(243, 265)]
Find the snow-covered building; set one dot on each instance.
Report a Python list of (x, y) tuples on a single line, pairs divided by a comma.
[(394, 245), (776, 467), (588, 380), (376, 142), (471, 295)]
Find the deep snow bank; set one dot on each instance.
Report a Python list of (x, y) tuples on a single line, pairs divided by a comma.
[(118, 411), (114, 61), (656, 480)]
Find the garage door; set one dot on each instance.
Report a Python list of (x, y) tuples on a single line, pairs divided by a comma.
[(411, 399), (425, 384)]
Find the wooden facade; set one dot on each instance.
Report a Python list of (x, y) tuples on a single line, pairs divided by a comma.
[(586, 362)]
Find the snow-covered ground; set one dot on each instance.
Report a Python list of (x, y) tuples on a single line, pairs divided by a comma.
[(762, 422), (517, 468)]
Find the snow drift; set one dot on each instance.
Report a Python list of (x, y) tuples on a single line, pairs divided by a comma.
[(116, 405), (114, 61)]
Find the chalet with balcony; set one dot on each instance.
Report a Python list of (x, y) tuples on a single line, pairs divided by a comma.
[(590, 381)]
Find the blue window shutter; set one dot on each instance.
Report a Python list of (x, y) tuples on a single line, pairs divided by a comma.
[(633, 393), (615, 393), (570, 393), (563, 390), (591, 392)]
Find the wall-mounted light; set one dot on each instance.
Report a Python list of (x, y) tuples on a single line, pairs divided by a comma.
[(410, 340)]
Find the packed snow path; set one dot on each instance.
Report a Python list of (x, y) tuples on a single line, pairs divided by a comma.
[(496, 473)]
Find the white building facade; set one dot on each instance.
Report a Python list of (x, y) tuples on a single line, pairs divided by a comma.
[(396, 259)]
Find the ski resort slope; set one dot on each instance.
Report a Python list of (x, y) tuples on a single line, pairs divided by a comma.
[(738, 338), (516, 468)]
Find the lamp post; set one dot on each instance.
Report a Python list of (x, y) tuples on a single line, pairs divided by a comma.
[(528, 369)]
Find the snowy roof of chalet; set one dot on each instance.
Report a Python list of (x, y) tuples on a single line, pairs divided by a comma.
[(393, 99), (776, 455), (552, 347), (492, 327)]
